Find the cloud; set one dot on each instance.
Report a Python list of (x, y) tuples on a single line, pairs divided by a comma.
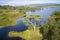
[(24, 2)]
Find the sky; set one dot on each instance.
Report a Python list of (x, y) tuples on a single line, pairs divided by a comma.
[(26, 2)]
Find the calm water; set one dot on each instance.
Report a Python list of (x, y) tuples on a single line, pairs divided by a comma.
[(44, 13), (18, 28), (21, 26)]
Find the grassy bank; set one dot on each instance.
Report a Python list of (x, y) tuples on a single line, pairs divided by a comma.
[(28, 34)]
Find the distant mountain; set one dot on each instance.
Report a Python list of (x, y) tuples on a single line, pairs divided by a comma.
[(46, 4)]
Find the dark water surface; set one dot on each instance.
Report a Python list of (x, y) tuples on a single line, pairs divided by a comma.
[(21, 26), (18, 28)]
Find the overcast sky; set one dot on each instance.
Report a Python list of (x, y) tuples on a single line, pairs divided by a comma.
[(24, 2)]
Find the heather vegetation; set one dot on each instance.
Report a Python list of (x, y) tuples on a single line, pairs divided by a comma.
[(10, 14)]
